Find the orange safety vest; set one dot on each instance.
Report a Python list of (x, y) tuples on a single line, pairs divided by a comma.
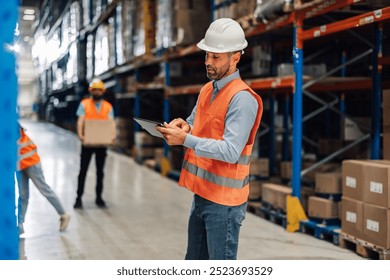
[(28, 155), (218, 181), (91, 112)]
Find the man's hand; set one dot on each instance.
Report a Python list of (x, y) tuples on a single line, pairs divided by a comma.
[(180, 123), (174, 134)]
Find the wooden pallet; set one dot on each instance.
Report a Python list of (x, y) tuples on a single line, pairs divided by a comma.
[(363, 248), (321, 231), (276, 216), (326, 222), (254, 207)]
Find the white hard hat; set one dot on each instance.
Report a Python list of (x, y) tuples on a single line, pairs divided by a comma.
[(223, 35)]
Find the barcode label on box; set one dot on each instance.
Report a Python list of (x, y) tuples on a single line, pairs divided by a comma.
[(350, 217), (376, 187), (372, 225), (350, 182)]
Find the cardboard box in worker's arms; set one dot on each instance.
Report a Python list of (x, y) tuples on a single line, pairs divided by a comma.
[(99, 132)]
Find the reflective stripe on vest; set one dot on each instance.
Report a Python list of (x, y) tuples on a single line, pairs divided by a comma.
[(27, 152), (25, 144), (244, 160), (213, 178), (27, 155), (218, 181)]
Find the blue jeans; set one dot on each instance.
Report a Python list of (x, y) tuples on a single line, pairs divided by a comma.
[(213, 230), (36, 175)]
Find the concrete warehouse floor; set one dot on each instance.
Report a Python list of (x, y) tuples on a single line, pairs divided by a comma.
[(146, 217)]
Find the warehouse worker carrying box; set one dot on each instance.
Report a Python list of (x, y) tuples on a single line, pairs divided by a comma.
[(96, 130)]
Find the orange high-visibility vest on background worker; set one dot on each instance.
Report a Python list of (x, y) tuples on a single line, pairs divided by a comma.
[(28, 155), (218, 181), (91, 112)]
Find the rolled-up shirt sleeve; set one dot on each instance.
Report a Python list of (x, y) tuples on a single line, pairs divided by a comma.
[(240, 118)]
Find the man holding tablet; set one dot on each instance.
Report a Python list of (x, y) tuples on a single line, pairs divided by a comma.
[(219, 135)]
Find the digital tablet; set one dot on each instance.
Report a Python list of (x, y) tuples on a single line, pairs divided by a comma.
[(150, 126)]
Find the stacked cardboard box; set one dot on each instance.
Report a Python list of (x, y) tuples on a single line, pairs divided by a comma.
[(255, 189), (182, 25), (145, 145), (286, 169), (322, 208), (261, 62), (124, 133), (366, 200), (276, 195), (259, 167), (328, 185), (234, 9), (145, 29)]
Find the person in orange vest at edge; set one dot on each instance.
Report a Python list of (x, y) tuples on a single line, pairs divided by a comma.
[(219, 136), (29, 167), (93, 108)]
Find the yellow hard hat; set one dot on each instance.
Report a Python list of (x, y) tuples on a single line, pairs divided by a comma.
[(97, 84)]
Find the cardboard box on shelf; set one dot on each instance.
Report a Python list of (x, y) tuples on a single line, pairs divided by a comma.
[(328, 183), (328, 146), (376, 183), (255, 189), (386, 142), (285, 169), (386, 107), (276, 195), (143, 138), (191, 26), (376, 224), (353, 174), (306, 192), (260, 167), (99, 132), (352, 217), (322, 208), (200, 5), (158, 155), (356, 128)]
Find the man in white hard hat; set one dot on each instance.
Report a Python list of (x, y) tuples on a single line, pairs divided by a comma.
[(219, 135)]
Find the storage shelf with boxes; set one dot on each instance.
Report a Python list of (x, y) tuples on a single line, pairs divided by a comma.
[(155, 66), (366, 204)]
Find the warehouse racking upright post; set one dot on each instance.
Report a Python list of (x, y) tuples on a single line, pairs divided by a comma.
[(297, 108), (9, 239), (376, 92), (268, 86)]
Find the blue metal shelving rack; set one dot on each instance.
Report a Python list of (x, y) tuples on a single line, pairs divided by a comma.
[(9, 240)]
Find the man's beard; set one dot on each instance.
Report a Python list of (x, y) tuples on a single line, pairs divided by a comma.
[(97, 97)]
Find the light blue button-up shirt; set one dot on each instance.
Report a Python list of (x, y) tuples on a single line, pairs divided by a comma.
[(240, 118)]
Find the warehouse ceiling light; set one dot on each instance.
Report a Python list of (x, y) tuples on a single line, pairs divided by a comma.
[(13, 48), (28, 17), (29, 12)]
